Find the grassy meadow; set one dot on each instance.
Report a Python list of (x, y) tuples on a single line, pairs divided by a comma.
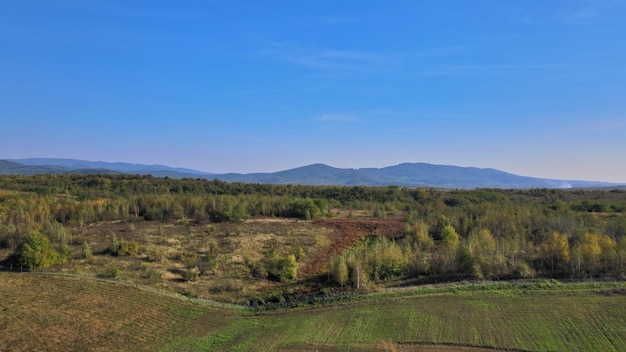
[(58, 313)]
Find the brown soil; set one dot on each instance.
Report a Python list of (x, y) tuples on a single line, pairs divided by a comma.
[(347, 232), (614, 292)]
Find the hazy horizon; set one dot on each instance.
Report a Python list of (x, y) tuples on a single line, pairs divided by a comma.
[(296, 167), (534, 89)]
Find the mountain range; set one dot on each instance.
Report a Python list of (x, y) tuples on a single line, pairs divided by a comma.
[(407, 174)]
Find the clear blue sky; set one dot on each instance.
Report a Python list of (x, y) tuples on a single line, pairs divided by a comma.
[(535, 87)]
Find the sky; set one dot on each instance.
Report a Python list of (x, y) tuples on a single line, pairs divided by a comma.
[(536, 87)]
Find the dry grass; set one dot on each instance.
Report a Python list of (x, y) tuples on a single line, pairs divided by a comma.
[(224, 253)]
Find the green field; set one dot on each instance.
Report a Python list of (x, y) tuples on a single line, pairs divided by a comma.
[(56, 313)]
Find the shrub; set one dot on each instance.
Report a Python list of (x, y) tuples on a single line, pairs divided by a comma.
[(130, 227), (87, 253), (258, 270), (190, 275), (307, 208), (207, 263), (190, 261), (281, 268), (114, 247), (275, 267), (36, 252), (111, 271), (128, 248), (340, 270), (299, 253), (522, 271), (155, 254), (146, 270)]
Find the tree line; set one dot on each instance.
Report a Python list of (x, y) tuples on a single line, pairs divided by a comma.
[(430, 254)]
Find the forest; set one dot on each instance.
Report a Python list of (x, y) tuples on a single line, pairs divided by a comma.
[(443, 235)]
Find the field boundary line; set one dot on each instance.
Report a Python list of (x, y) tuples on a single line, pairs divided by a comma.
[(454, 344)]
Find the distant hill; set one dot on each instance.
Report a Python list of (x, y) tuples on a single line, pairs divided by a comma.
[(13, 168), (407, 174), (88, 167)]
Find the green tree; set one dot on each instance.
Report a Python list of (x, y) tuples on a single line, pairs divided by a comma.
[(87, 252), (555, 251), (482, 246), (385, 259), (449, 238), (442, 222), (418, 234), (281, 268), (449, 248), (340, 270), (36, 252), (594, 252), (468, 264)]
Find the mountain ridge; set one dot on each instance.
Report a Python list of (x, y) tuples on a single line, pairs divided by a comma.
[(115, 166), (405, 174)]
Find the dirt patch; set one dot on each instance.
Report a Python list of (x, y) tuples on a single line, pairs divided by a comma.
[(271, 220), (614, 292), (347, 232)]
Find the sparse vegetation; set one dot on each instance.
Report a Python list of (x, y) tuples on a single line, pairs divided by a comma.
[(111, 271), (272, 247)]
